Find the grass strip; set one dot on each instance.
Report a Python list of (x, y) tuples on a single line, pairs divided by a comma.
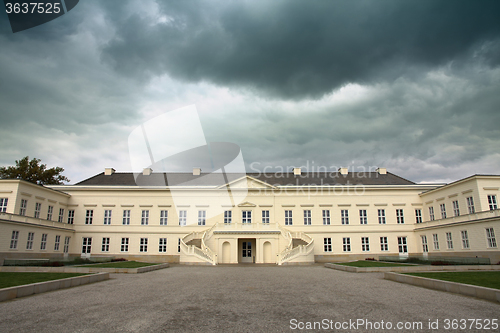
[(369, 263), (122, 264), (11, 279), (483, 279)]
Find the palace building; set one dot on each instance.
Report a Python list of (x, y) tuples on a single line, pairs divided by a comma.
[(223, 218)]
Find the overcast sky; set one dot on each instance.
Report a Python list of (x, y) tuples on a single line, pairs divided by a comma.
[(413, 86)]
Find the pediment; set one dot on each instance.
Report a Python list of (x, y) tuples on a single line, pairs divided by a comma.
[(247, 204), (248, 182)]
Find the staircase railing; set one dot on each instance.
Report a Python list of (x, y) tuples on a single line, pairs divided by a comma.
[(291, 252)]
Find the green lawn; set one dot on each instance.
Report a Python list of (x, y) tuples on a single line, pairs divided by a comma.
[(122, 264), (11, 279), (483, 279), (369, 263)]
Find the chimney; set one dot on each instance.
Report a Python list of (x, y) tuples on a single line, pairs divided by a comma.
[(147, 171), (196, 171), (343, 171), (297, 171), (109, 171), (381, 171)]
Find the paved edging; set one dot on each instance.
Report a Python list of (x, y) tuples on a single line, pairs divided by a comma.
[(452, 287), (42, 287), (88, 269), (413, 268)]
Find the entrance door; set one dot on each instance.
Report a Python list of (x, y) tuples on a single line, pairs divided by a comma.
[(246, 251)]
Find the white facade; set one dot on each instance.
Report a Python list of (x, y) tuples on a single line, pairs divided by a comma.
[(251, 220)]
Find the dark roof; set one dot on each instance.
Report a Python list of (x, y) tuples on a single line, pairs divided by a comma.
[(218, 179)]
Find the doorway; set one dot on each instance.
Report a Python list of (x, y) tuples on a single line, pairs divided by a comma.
[(246, 250)]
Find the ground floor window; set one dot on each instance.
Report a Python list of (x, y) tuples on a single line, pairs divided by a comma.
[(57, 242), (43, 243), (144, 245), (124, 245), (449, 240), (87, 245), (365, 244), (425, 248), (346, 244), (490, 235), (14, 239), (327, 244), (465, 239), (66, 244), (162, 245), (402, 245), (29, 243), (105, 244), (435, 240), (384, 246)]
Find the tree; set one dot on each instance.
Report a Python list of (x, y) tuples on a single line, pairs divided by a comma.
[(34, 172)]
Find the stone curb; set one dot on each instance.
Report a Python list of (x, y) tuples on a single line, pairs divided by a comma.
[(452, 287), (412, 268), (42, 287), (88, 269)]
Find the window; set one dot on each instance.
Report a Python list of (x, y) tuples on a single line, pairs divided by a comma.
[(89, 215), (399, 216), (202, 215), (326, 217), (3, 205), (87, 245), (66, 244), (435, 240), (425, 248), (57, 242), (71, 216), (29, 243), (145, 217), (265, 216), (449, 241), (308, 219), (346, 244), (182, 217), (144, 245), (288, 217), (365, 244), (470, 205), (105, 244), (465, 239), (490, 236), (43, 243), (456, 209), (384, 246), (38, 209), (443, 210), (492, 202), (344, 215), (50, 211), (179, 246), (228, 216), (61, 215), (126, 217), (124, 246), (431, 213), (402, 245), (162, 245), (381, 216), (246, 216), (418, 215), (163, 217), (22, 209), (327, 244), (107, 216), (14, 239), (362, 216)]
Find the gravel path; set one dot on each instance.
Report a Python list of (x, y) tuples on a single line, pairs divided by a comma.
[(238, 299)]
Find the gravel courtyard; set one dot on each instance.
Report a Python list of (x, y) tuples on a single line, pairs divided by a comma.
[(239, 299)]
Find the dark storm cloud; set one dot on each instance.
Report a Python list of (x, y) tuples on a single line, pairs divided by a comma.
[(297, 49)]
